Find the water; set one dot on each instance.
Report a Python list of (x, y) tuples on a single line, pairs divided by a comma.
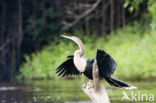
[(69, 91)]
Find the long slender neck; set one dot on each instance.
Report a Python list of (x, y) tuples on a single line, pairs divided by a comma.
[(79, 61), (81, 51)]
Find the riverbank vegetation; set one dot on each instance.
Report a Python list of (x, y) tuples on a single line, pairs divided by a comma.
[(133, 48), (31, 48)]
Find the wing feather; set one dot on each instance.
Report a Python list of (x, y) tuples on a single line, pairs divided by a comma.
[(67, 68), (106, 63)]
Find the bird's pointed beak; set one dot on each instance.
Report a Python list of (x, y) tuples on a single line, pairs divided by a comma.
[(66, 37)]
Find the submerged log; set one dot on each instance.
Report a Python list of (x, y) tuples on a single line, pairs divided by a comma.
[(95, 90)]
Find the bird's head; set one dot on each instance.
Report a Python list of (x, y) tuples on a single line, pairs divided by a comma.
[(78, 42), (73, 38)]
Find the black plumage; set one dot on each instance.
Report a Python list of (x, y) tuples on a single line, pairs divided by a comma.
[(78, 64), (89, 69), (106, 65), (68, 68)]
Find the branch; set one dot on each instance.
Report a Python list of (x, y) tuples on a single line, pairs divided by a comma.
[(96, 79), (3, 21), (4, 44), (95, 90), (68, 25)]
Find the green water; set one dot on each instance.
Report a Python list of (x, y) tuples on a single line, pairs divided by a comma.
[(69, 91)]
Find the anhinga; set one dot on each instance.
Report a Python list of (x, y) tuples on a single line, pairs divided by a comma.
[(77, 64)]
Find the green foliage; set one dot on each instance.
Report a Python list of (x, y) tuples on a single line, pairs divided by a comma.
[(152, 11), (134, 53), (44, 25), (132, 4)]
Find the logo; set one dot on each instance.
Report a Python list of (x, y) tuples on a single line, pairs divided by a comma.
[(138, 97)]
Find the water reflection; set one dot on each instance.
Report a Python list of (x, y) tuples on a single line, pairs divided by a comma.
[(60, 91)]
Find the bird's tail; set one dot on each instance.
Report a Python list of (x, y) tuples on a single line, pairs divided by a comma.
[(118, 83)]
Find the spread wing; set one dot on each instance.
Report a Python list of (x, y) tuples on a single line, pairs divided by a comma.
[(67, 68), (106, 63)]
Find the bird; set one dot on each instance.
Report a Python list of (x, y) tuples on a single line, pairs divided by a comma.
[(78, 64)]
